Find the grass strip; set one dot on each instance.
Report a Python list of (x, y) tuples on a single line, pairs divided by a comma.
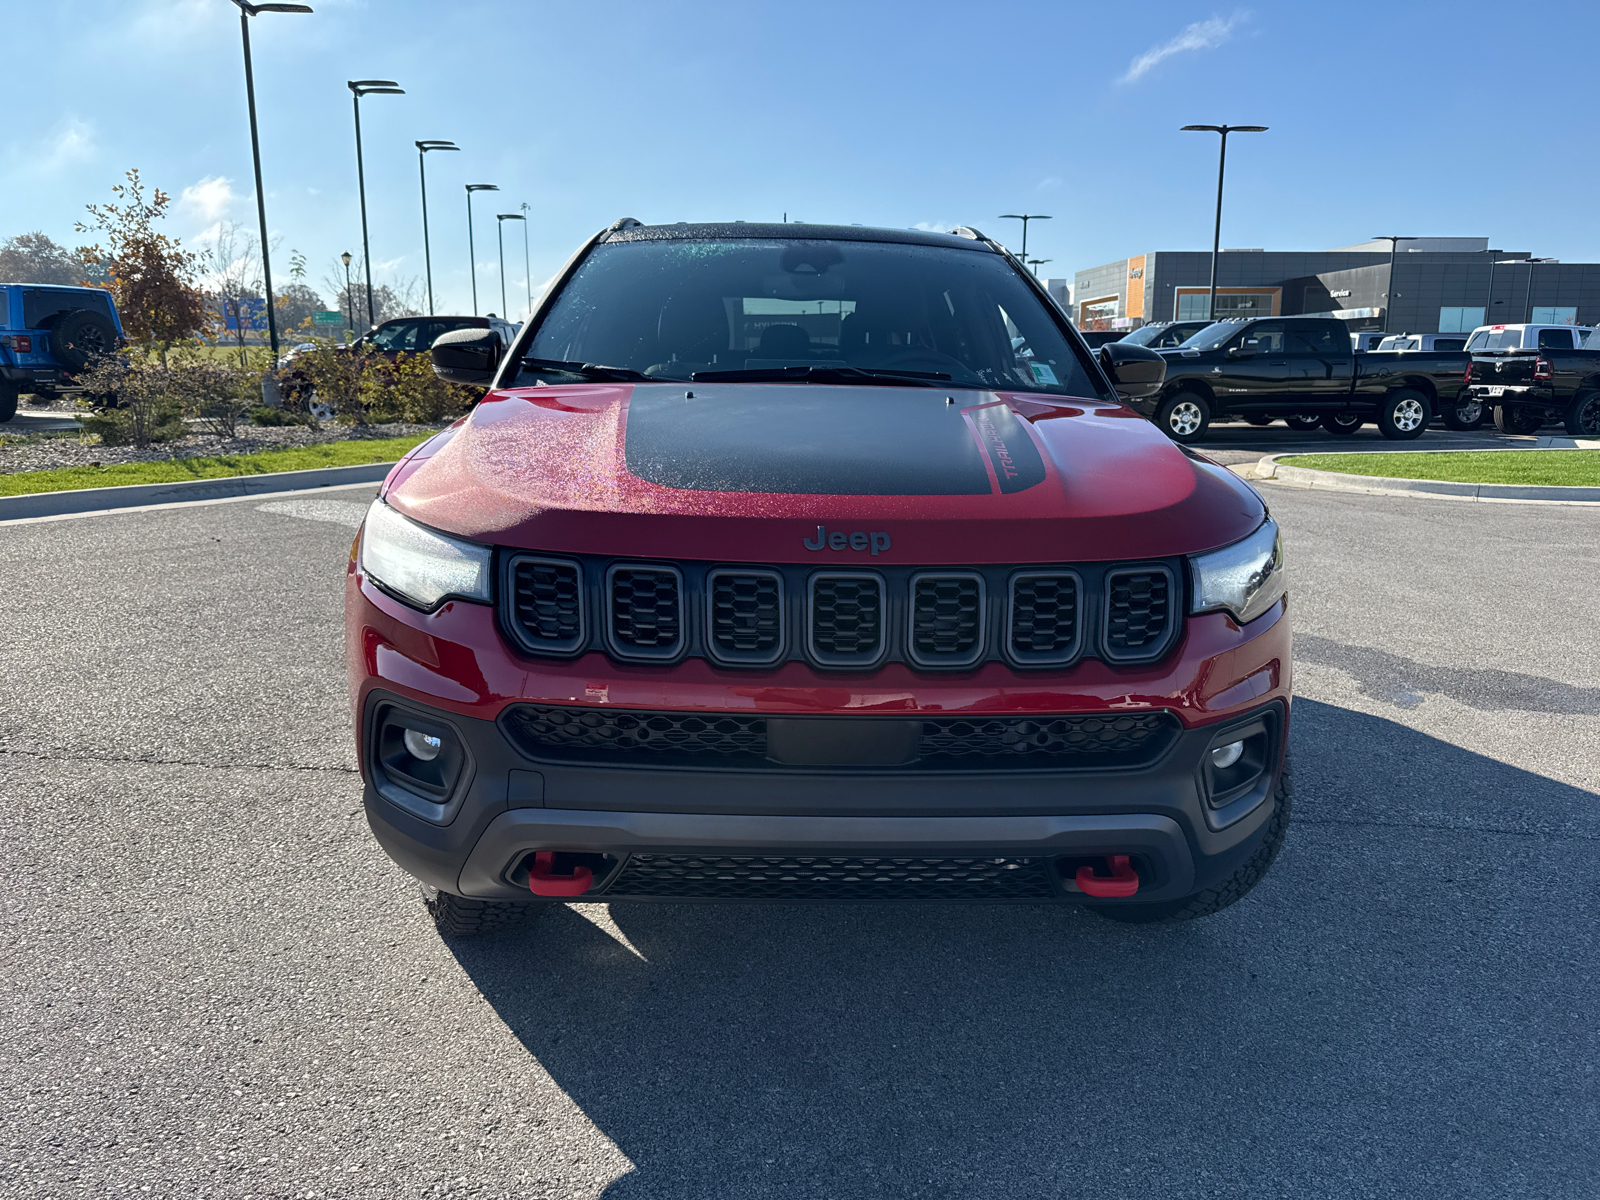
[(180, 470), (1543, 468)]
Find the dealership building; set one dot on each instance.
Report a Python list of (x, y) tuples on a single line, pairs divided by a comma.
[(1440, 285)]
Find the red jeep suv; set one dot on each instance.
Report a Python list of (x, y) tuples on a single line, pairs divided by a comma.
[(798, 562)]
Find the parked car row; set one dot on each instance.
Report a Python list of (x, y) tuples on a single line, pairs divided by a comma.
[(1534, 375), (49, 334)]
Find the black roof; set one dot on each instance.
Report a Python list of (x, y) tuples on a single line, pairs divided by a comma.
[(625, 232)]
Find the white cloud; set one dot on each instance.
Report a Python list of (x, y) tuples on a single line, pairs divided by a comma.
[(935, 226), (1048, 184), (1202, 35), (68, 144), (209, 200)]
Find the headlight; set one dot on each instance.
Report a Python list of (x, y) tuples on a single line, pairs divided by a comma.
[(418, 564), (1245, 579)]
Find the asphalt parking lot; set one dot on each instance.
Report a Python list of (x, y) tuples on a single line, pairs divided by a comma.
[(217, 985)]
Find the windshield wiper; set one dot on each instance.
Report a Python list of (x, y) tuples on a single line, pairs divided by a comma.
[(596, 371), (821, 374)]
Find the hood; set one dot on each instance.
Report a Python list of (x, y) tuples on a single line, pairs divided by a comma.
[(810, 473)]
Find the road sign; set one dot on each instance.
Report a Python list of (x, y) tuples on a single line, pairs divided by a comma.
[(328, 318), (249, 312)]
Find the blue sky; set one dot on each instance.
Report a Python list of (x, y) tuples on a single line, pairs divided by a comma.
[(881, 113)]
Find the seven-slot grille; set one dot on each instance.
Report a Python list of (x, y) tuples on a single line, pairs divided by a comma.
[(645, 611), (1045, 618), (750, 616), (947, 619), (745, 616), (846, 627), (1138, 611)]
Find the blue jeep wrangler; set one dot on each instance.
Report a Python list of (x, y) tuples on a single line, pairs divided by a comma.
[(48, 335)]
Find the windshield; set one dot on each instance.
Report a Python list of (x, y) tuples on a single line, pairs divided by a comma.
[(1160, 337), (1212, 336), (928, 315), (1591, 340)]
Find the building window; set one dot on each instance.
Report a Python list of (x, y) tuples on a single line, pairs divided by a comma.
[(1098, 314), (1459, 320), (1554, 316), (1195, 305)]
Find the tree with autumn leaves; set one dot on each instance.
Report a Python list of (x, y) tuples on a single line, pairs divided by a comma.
[(154, 280)]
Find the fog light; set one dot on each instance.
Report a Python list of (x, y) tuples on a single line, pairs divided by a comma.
[(426, 746), (1222, 757)]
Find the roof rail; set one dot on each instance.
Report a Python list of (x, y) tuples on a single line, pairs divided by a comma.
[(971, 234), (622, 223)]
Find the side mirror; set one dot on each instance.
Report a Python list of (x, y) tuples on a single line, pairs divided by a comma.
[(1135, 371), (469, 356), (1241, 352)]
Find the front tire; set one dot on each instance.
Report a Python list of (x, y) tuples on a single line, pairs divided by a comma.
[(1232, 889), (1184, 417), (1305, 422), (1403, 415), (1463, 414), (1513, 418), (1583, 414), (458, 916), (1342, 424)]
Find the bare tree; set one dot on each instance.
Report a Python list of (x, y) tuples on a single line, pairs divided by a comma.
[(238, 279)]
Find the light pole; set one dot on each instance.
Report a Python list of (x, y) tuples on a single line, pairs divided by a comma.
[(246, 11), (1036, 263), (1388, 296), (427, 255), (1024, 218), (1488, 300), (527, 271), (472, 248), (349, 300), (500, 224), (359, 88), (1222, 162)]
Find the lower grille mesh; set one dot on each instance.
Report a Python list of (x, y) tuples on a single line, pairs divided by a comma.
[(854, 878), (1108, 741), (548, 732)]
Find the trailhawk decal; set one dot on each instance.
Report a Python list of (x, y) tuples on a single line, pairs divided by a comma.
[(803, 439)]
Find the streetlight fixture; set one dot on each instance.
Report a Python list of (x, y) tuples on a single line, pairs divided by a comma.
[(1036, 263), (359, 88), (1388, 296), (246, 11), (1025, 218), (500, 225), (427, 255), (1527, 295), (472, 249), (1222, 162), (527, 271), (1488, 299), (349, 300)]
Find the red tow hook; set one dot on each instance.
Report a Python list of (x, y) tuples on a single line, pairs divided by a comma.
[(1123, 880), (543, 880)]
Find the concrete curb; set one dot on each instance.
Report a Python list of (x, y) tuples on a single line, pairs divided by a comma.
[(1378, 485), (143, 495)]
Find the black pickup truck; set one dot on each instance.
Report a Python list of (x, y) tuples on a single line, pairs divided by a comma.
[(1537, 376), (1302, 369)]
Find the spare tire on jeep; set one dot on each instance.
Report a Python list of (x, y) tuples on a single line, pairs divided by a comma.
[(80, 337)]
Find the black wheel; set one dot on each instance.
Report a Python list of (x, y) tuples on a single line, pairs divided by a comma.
[(1304, 422), (1513, 418), (1583, 414), (1259, 420), (1403, 415), (457, 916), (80, 337), (1230, 890), (1184, 416), (1342, 423), (1463, 414), (8, 401)]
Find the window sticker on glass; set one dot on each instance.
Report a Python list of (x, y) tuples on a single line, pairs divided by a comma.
[(1042, 373)]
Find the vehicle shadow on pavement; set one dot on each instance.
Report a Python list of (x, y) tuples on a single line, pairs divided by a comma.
[(1399, 1009)]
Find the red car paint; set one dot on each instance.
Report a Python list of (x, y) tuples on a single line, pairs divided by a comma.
[(542, 468)]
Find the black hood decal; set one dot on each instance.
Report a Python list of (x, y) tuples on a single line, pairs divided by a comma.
[(801, 439)]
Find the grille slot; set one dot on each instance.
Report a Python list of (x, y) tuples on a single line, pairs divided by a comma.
[(547, 604), (744, 622), (1046, 618), (1097, 741), (596, 734), (645, 606), (947, 619), (846, 619), (1138, 613), (737, 877)]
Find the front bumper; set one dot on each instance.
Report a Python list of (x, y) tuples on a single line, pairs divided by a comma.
[(683, 832)]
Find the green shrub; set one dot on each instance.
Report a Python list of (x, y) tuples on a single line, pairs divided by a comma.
[(263, 414), (408, 390)]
